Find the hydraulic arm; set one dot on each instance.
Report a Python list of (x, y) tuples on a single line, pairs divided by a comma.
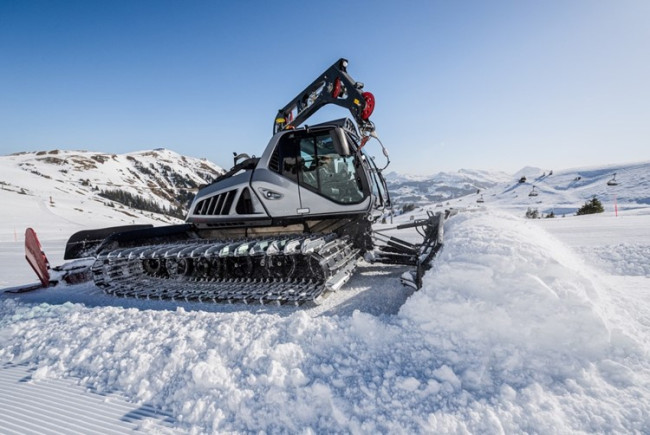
[(334, 86)]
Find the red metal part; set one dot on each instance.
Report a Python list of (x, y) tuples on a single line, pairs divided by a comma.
[(337, 88), (370, 105), (36, 257)]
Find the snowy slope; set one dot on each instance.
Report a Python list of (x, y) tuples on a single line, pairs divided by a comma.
[(59, 190), (58, 406), (566, 190), (562, 192), (521, 326), (444, 186)]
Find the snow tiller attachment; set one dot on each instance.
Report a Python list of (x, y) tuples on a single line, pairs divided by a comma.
[(285, 227), (393, 250)]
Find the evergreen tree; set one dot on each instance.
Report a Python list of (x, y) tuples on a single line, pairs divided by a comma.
[(590, 207), (140, 203), (532, 213)]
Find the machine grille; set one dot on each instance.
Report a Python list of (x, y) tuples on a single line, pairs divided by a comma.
[(215, 205)]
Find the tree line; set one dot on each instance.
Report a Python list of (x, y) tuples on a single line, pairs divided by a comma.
[(140, 203)]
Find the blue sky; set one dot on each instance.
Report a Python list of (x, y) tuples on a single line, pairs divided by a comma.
[(458, 84)]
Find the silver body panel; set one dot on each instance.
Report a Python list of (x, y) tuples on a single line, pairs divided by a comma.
[(273, 196)]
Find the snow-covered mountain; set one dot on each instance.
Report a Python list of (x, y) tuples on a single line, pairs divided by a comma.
[(91, 189), (444, 186), (622, 186), (82, 181), (560, 191)]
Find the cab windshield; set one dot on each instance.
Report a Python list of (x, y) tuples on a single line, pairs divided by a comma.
[(311, 158)]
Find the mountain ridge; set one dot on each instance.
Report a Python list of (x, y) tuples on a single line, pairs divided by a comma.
[(82, 186), (121, 183)]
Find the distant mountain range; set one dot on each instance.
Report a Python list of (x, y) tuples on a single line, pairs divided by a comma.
[(444, 186), (160, 184), (561, 191)]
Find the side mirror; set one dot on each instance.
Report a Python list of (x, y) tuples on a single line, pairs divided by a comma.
[(341, 142)]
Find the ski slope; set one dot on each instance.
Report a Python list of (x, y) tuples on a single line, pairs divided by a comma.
[(521, 326)]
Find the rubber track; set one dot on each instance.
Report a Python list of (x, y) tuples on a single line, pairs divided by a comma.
[(121, 272)]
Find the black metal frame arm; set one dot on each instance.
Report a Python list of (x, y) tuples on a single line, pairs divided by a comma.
[(334, 86)]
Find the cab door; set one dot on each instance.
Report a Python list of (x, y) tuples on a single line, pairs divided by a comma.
[(328, 182)]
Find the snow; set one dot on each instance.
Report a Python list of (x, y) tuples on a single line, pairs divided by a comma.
[(521, 326), (55, 406)]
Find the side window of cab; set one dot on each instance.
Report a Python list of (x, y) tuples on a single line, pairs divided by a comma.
[(285, 158)]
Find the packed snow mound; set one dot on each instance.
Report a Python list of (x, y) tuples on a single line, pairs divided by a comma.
[(511, 333), (505, 285), (625, 259)]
